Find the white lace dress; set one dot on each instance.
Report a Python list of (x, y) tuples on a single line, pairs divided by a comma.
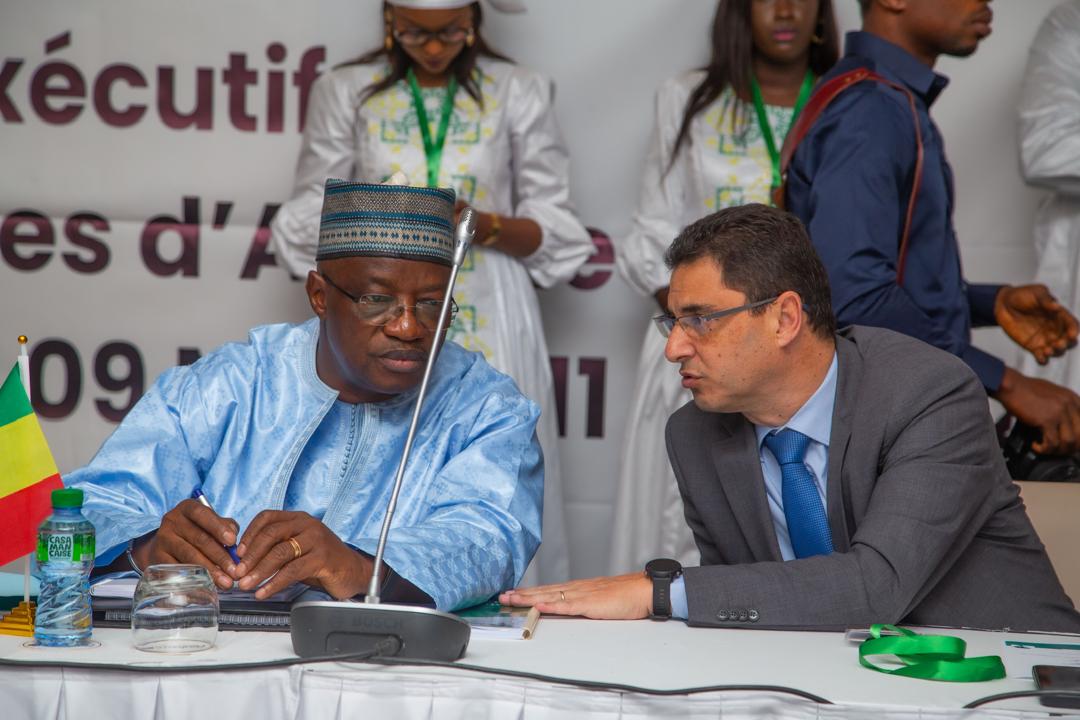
[(726, 163)]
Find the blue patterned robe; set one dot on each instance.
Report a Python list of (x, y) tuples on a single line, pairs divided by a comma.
[(235, 423)]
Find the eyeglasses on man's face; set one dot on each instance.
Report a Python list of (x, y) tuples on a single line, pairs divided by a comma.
[(378, 309), (414, 37), (698, 325)]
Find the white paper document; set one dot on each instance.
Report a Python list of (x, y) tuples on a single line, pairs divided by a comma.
[(1020, 656), (115, 587)]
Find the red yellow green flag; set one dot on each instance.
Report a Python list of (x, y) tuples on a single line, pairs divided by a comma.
[(28, 473)]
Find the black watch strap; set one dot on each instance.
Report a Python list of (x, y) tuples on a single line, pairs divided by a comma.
[(661, 598), (662, 571)]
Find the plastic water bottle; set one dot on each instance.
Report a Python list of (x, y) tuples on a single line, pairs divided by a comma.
[(65, 555)]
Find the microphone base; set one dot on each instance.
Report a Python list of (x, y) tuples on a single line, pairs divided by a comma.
[(346, 628)]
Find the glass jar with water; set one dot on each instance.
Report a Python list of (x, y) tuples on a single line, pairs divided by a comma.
[(175, 609)]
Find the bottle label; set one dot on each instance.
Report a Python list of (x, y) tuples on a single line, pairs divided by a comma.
[(67, 547)]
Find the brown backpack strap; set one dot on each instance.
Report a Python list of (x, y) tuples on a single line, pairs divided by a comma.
[(823, 95)]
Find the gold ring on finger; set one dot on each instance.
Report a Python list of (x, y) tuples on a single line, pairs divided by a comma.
[(297, 550)]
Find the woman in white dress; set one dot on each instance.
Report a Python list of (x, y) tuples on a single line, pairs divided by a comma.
[(1050, 159), (437, 104), (716, 142)]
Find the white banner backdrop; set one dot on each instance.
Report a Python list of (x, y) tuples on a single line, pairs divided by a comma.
[(144, 145)]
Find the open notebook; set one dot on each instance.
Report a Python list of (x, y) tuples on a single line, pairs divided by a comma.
[(111, 602)]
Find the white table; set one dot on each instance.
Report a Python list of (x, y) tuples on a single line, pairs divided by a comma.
[(660, 656)]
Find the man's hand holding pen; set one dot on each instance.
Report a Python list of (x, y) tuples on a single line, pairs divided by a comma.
[(278, 549), (192, 533)]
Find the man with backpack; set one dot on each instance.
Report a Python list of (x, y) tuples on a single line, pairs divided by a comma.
[(869, 178)]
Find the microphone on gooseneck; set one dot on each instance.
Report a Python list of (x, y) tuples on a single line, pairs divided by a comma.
[(466, 230), (343, 628)]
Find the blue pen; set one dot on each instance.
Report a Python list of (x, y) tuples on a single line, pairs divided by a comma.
[(197, 494)]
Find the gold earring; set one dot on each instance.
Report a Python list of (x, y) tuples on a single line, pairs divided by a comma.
[(470, 39), (388, 43)]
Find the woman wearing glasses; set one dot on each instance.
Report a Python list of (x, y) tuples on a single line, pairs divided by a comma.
[(716, 144), (437, 103)]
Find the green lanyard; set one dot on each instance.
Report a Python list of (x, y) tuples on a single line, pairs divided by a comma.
[(928, 657), (433, 150), (763, 119)]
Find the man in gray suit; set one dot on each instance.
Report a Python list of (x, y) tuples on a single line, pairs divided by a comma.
[(830, 479)]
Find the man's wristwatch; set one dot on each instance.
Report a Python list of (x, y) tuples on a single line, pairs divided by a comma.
[(662, 571)]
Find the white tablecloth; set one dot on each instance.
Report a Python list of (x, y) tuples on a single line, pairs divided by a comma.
[(660, 656)]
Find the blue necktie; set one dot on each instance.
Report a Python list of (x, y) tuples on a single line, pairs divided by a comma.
[(807, 524)]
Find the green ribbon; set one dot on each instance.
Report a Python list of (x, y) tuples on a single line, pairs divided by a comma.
[(433, 149), (928, 657), (763, 119)]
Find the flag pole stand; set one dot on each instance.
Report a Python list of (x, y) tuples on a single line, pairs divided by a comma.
[(20, 621)]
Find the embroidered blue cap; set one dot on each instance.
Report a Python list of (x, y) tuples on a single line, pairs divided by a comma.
[(400, 221)]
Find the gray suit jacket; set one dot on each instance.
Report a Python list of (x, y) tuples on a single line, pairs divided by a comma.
[(926, 524)]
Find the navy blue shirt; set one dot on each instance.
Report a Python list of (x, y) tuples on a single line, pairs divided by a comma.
[(850, 181)]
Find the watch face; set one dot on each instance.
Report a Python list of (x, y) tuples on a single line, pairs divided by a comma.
[(663, 567)]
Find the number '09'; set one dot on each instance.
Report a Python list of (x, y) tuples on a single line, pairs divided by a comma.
[(112, 356)]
